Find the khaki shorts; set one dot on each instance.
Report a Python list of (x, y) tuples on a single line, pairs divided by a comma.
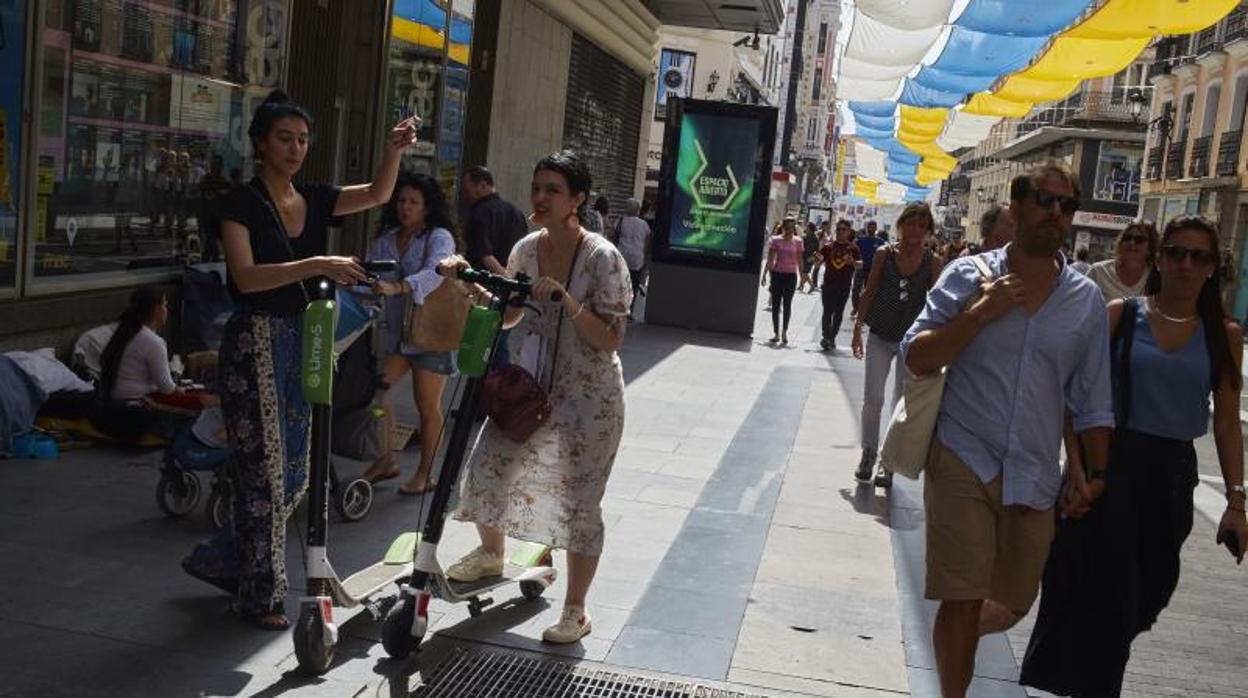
[(977, 549)]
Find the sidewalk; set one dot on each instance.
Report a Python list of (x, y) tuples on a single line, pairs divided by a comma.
[(740, 555)]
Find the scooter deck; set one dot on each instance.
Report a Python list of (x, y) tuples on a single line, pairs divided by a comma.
[(369, 580), (510, 572)]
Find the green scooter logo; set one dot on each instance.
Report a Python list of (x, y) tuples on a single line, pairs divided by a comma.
[(318, 351)]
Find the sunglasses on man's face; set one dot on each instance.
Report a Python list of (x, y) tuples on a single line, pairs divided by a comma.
[(1046, 199), (1176, 254), (1135, 239)]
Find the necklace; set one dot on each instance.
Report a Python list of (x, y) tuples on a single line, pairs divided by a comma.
[(1152, 304)]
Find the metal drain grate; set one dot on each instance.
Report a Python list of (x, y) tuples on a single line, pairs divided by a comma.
[(480, 674)]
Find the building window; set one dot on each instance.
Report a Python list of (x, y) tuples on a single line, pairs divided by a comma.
[(1236, 122), (142, 115), (823, 38), (817, 89), (12, 63), (1185, 122), (1213, 98), (811, 131)]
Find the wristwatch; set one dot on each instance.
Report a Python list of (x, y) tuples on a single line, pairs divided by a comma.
[(1236, 489)]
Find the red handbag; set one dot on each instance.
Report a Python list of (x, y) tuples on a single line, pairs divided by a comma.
[(512, 398), (515, 402)]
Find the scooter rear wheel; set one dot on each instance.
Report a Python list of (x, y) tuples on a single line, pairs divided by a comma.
[(532, 589), (355, 500), (177, 494), (313, 654), (396, 631), (219, 507)]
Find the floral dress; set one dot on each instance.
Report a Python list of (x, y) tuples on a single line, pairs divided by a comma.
[(549, 489)]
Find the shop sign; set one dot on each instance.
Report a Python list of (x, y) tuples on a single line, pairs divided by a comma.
[(1093, 219), (196, 104)]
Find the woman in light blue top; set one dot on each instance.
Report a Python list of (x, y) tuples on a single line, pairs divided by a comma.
[(416, 229), (1111, 573)]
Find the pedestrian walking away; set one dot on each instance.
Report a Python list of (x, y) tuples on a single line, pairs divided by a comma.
[(839, 257), (632, 237), (549, 488), (1113, 568), (784, 255), (892, 299), (493, 227), (868, 243), (996, 228), (1020, 351), (1126, 274), (416, 231), (274, 234), (810, 246)]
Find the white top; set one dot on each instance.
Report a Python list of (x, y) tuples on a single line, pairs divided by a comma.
[(633, 234), (144, 368), (1106, 278)]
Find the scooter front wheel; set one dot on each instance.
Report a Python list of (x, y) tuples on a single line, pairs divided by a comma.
[(311, 651), (355, 500), (396, 631)]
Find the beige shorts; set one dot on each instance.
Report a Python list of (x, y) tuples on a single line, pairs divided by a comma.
[(977, 549)]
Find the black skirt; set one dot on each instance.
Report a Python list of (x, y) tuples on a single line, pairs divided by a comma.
[(1110, 574)]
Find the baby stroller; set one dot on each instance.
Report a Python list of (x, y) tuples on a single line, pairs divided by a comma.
[(357, 432)]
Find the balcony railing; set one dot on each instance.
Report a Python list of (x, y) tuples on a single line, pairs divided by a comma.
[(1199, 164), (1174, 157), (1237, 24), (1082, 107), (1156, 156), (1228, 153), (1209, 39)]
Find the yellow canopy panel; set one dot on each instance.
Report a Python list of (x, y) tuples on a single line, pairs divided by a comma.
[(1076, 58), (940, 163), (927, 149), (988, 104), (918, 115), (1122, 19), (1020, 88), (923, 132)]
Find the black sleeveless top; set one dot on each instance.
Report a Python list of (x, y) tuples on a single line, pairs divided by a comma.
[(899, 299)]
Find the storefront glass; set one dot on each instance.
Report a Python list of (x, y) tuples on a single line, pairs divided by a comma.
[(12, 68), (142, 118), (426, 78)]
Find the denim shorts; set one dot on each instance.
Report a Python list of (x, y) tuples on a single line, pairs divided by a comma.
[(440, 362)]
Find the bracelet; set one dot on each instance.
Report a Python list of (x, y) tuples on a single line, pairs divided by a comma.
[(578, 312)]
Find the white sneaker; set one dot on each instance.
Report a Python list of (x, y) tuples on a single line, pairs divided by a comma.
[(572, 626), (475, 565)]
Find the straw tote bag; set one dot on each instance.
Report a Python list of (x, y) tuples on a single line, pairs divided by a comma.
[(437, 325)]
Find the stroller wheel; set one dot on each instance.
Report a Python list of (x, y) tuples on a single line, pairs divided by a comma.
[(219, 507), (177, 493), (355, 499)]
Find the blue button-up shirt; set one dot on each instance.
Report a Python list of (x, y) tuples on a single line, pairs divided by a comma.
[(1006, 393), (418, 267)]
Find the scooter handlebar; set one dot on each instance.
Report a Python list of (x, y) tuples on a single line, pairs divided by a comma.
[(497, 283)]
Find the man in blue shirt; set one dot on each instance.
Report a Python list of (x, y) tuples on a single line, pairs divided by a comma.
[(1033, 346), (868, 243)]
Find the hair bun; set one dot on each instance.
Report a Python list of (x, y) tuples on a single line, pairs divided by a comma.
[(277, 96)]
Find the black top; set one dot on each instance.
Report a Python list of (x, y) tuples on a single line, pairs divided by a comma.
[(494, 227), (248, 205)]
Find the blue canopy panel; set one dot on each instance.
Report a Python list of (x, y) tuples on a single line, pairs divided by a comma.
[(916, 193), (972, 52), (881, 144), (1022, 18), (428, 13), (872, 134), (873, 108), (855, 200), (902, 154), (917, 95), (934, 78), (876, 123), (904, 178)]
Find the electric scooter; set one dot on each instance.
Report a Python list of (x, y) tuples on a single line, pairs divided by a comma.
[(315, 633), (529, 565)]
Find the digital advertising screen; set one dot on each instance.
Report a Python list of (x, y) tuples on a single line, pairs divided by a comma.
[(715, 183)]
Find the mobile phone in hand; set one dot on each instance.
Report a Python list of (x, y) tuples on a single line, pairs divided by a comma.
[(1231, 540)]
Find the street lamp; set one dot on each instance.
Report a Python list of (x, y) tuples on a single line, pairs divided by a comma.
[(712, 81), (1135, 103), (979, 193)]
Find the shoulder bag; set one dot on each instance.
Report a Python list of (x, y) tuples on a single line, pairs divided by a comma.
[(437, 324), (913, 424), (512, 397)]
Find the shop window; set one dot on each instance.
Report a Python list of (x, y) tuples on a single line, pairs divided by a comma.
[(143, 110), (12, 64), (429, 79)]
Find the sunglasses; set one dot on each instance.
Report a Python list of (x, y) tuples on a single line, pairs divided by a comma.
[(1135, 238), (1045, 199), (1176, 254)]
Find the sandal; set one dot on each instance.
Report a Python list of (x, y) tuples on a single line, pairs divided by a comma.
[(272, 622), (429, 487), (381, 469)]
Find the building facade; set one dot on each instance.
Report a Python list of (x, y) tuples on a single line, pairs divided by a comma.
[(1195, 161), (122, 121)]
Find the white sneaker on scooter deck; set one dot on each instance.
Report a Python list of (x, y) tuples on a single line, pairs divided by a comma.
[(475, 565), (572, 626)]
